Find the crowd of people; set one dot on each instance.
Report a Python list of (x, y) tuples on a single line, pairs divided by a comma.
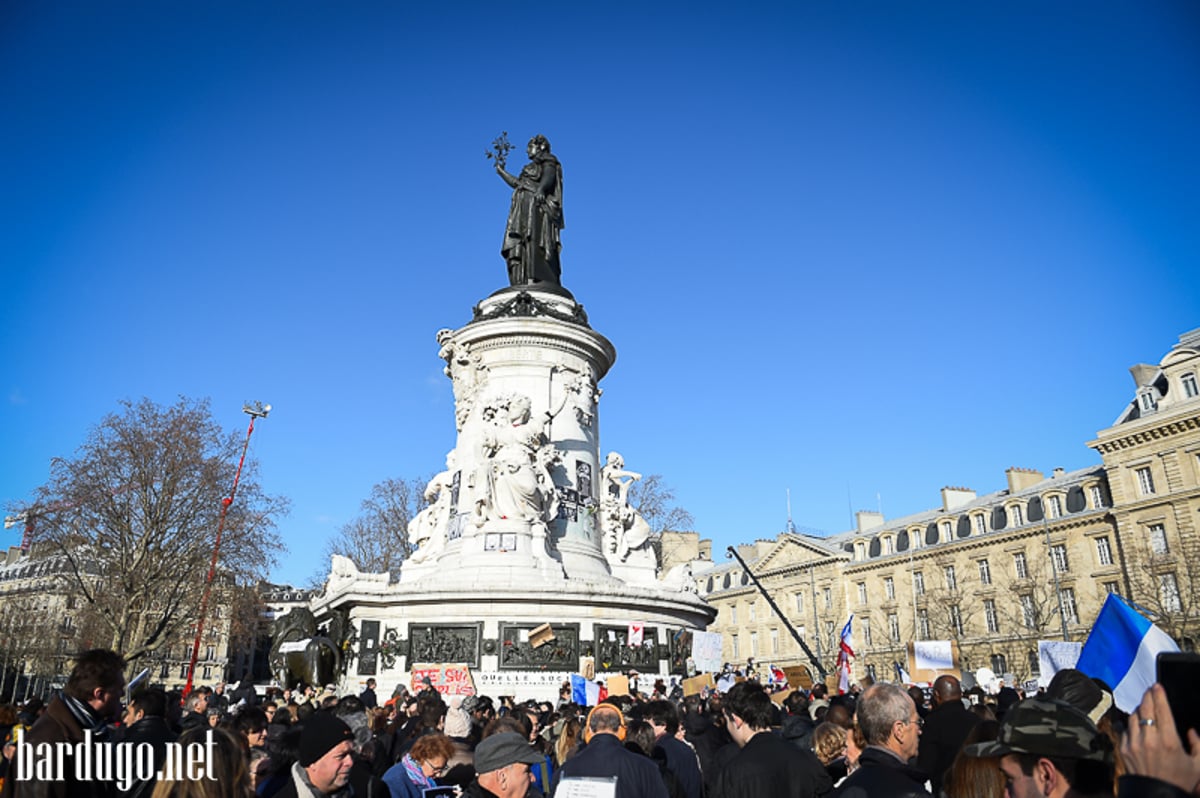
[(886, 741)]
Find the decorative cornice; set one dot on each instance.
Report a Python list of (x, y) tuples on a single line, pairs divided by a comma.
[(526, 305), (1147, 435)]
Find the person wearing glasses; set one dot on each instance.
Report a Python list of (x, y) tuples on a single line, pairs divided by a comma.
[(417, 770), (890, 722)]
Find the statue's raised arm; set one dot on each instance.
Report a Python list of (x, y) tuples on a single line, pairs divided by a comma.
[(531, 238)]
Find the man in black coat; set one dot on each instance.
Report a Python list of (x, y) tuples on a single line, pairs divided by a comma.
[(680, 758), (368, 697), (798, 726), (145, 724), (946, 726), (605, 756), (767, 766), (888, 719), (195, 709)]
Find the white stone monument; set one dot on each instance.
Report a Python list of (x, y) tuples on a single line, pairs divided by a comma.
[(526, 525)]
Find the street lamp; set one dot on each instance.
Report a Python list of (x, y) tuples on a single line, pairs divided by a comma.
[(255, 410)]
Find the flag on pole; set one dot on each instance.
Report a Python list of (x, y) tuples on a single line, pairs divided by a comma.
[(901, 674), (845, 652), (777, 675), (584, 692), (1121, 650)]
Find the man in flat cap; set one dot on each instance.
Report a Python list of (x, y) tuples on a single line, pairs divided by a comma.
[(502, 767), (1050, 749), (322, 769)]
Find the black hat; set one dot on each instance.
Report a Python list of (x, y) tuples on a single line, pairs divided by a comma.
[(502, 750), (322, 732)]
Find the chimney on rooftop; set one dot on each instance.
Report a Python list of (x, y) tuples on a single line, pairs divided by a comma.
[(1021, 478), (866, 520), (953, 498)]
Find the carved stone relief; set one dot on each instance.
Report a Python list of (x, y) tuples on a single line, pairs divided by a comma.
[(467, 373), (613, 654), (561, 654), (444, 643)]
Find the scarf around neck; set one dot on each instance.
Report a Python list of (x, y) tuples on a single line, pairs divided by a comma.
[(415, 774)]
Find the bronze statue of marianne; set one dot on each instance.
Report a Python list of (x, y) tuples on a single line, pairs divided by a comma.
[(531, 238)]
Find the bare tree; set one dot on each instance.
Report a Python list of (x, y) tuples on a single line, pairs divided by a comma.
[(377, 539), (655, 500), (134, 512), (1165, 576)]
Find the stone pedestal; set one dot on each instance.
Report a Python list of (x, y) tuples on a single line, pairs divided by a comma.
[(528, 525), (531, 346)]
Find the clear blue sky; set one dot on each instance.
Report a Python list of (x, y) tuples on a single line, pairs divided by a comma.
[(854, 249)]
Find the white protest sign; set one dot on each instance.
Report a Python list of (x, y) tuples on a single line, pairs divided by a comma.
[(706, 651), (933, 655), (1054, 656)]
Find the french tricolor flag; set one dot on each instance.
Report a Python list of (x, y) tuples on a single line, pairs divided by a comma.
[(845, 652), (1121, 650), (584, 692)]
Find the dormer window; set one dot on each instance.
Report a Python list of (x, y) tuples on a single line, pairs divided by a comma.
[(860, 550), (1054, 506), (1016, 515), (1190, 388), (947, 532), (889, 545), (980, 524), (915, 537), (1147, 401)]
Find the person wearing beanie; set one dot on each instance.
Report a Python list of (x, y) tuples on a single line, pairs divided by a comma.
[(502, 762), (460, 769), (326, 754)]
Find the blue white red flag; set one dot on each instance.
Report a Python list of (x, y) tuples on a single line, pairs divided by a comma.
[(584, 692), (845, 652), (1121, 650)]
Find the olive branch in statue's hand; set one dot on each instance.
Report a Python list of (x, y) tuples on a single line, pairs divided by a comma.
[(500, 149)]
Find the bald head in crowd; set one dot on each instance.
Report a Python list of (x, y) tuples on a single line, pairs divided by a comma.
[(946, 688)]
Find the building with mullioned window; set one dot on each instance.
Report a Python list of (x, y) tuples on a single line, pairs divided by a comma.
[(995, 572), (44, 623)]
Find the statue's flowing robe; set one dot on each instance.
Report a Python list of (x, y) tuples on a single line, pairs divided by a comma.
[(531, 237)]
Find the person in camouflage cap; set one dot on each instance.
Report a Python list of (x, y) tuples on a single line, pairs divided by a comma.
[(1050, 749)]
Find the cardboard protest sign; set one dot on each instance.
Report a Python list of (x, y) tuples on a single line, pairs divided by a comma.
[(697, 684), (798, 676), (447, 679), (617, 685), (929, 659)]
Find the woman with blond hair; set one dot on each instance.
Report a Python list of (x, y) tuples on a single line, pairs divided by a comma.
[(229, 765), (829, 744)]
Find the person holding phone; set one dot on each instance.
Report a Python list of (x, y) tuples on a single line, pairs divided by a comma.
[(1158, 762)]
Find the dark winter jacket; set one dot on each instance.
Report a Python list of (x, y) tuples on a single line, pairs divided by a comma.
[(56, 725), (882, 775), (798, 730), (157, 734), (605, 756), (681, 760), (768, 766), (946, 726)]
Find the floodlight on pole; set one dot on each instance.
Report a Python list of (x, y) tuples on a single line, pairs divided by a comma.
[(255, 410)]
